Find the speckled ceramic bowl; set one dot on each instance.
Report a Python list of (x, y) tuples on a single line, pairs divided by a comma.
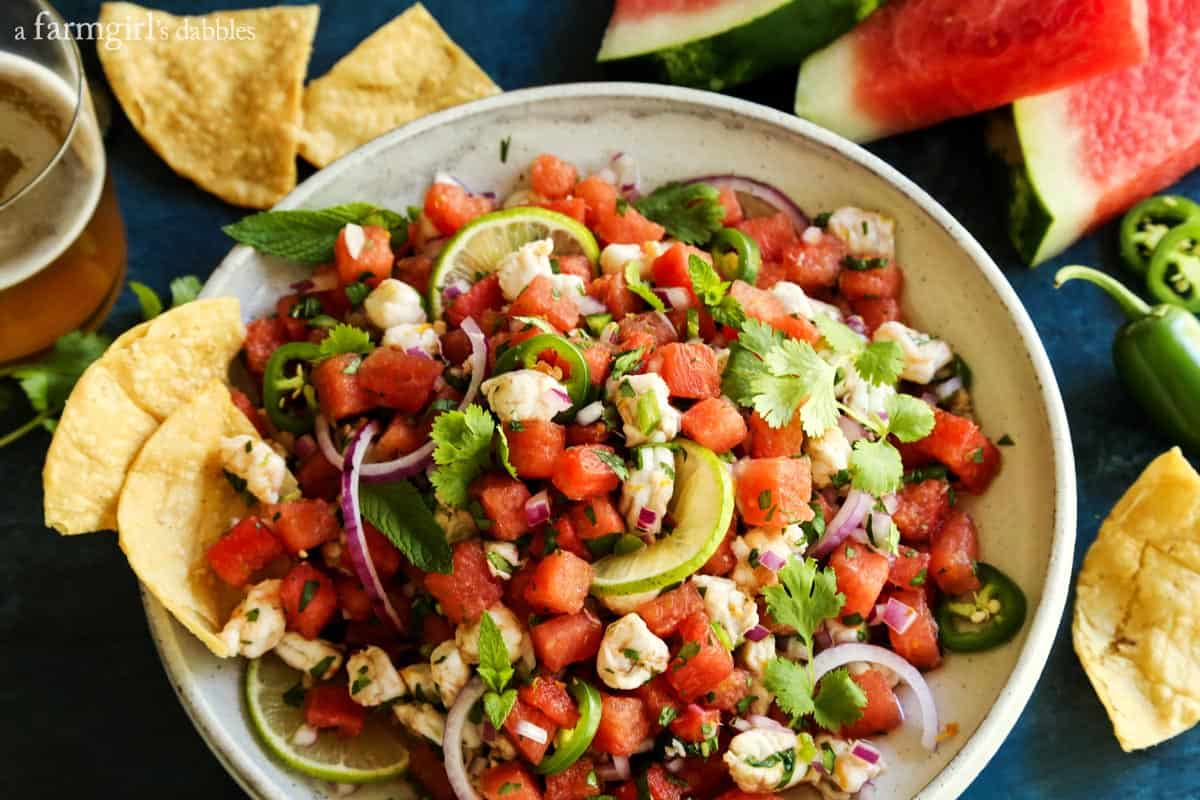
[(1027, 519)]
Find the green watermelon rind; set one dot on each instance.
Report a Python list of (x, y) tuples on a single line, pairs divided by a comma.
[(779, 38), (1029, 217)]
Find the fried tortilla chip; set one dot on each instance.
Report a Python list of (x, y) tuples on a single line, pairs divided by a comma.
[(121, 399), (176, 502), (405, 70), (218, 97), (1136, 629)]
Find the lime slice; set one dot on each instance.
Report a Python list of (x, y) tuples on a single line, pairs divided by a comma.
[(702, 508), (476, 250), (374, 755)]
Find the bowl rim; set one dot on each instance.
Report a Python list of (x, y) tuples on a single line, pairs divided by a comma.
[(958, 773)]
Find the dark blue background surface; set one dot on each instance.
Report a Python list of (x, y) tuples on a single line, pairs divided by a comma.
[(86, 708)]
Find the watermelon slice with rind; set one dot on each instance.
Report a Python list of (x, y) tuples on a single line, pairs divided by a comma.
[(914, 63), (714, 44), (1094, 149)]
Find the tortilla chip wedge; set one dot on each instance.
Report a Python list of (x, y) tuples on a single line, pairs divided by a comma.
[(121, 399), (1136, 629), (176, 502), (222, 109), (405, 70)]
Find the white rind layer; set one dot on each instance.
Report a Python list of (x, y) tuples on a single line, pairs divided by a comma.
[(1050, 145), (625, 39), (825, 92)]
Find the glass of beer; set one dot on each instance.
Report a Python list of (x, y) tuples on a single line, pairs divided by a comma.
[(62, 242)]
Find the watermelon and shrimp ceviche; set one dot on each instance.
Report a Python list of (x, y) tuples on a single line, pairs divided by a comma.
[(591, 491)]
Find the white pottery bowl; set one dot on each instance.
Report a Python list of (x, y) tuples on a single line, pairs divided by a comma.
[(1027, 519)]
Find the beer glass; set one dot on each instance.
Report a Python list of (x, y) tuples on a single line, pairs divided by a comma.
[(62, 242)]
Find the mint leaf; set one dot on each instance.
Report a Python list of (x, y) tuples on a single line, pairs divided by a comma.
[(463, 448), (400, 514), (345, 338), (875, 467), (307, 236), (839, 700), (498, 705), (714, 293), (909, 418), (792, 686), (148, 299), (633, 280), (880, 363), (184, 290), (494, 667), (691, 213)]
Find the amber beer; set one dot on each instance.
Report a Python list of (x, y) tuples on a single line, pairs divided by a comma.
[(62, 242)]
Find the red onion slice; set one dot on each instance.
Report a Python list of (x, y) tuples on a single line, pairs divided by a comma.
[(891, 502), (762, 721), (621, 766), (898, 616), (356, 542), (590, 413), (674, 296), (946, 389), (845, 654), (537, 509), (319, 282), (850, 516), (851, 429), (452, 738), (757, 633), (866, 751), (763, 191), (325, 442), (675, 766), (534, 733), (306, 445), (771, 560), (857, 324)]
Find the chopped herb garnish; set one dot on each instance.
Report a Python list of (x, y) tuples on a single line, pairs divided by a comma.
[(318, 671), (307, 593), (505, 143), (294, 696), (252, 615), (1005, 441), (863, 264)]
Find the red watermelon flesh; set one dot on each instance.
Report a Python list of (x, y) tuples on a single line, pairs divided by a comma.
[(1094, 149), (917, 62)]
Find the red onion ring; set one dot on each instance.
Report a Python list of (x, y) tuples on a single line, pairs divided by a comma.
[(325, 442), (845, 654), (452, 736), (356, 542), (763, 191), (850, 516)]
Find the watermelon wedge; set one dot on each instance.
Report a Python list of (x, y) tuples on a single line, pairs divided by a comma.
[(918, 62), (1095, 149), (714, 44)]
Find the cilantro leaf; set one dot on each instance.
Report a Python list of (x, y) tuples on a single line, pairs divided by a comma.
[(792, 686), (498, 705), (148, 299), (463, 448), (184, 290), (625, 363), (875, 467), (494, 667), (633, 280), (880, 363), (805, 597), (400, 514), (839, 700), (307, 236), (813, 378), (345, 338), (49, 381), (909, 418), (502, 451), (613, 462), (691, 213), (714, 293)]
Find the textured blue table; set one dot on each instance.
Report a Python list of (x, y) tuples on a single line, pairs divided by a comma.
[(86, 708)]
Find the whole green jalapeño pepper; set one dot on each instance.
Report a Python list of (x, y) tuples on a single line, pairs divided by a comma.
[(1174, 275), (1157, 355), (985, 618), (527, 353), (730, 242), (278, 388), (1148, 222)]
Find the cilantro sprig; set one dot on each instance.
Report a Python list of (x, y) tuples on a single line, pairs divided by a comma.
[(48, 382), (879, 363), (635, 284), (463, 448), (343, 338), (496, 671), (691, 212), (714, 293), (876, 467), (805, 597)]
